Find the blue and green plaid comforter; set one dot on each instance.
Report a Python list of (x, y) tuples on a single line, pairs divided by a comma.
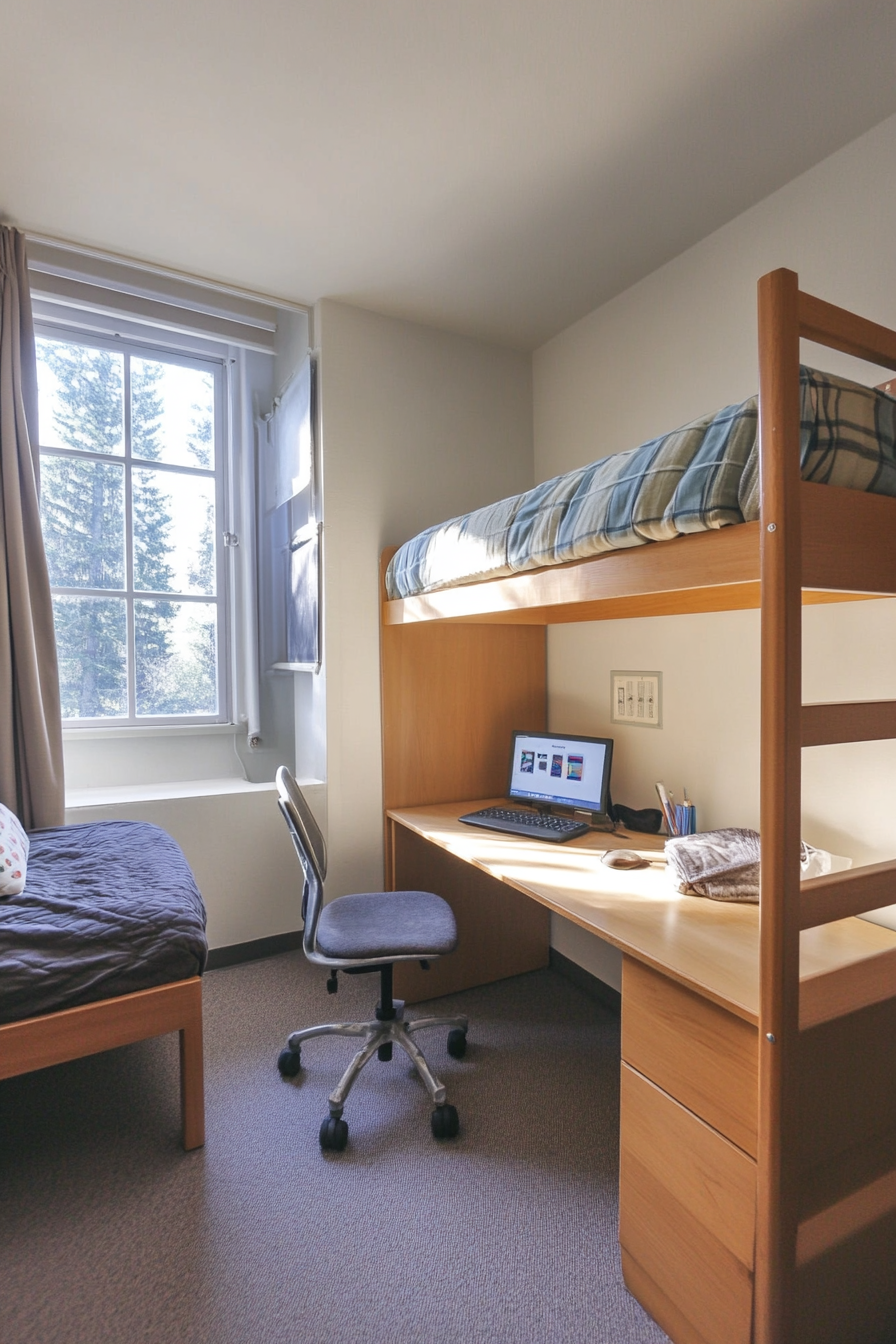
[(703, 476)]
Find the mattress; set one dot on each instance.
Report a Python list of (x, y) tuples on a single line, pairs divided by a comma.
[(702, 476), (108, 908)]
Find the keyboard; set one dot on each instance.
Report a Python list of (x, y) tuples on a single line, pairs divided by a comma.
[(535, 825)]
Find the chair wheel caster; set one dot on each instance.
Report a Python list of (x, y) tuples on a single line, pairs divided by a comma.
[(384, 1052), (333, 1135), (457, 1042), (444, 1121), (289, 1062)]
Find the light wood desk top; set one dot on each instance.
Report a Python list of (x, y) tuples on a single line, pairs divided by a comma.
[(710, 946)]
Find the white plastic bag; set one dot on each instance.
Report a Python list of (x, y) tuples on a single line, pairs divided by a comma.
[(816, 862)]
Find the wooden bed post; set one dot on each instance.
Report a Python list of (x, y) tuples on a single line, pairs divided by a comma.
[(780, 796), (192, 1088)]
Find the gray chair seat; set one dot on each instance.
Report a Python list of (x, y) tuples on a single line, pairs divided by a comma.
[(387, 924)]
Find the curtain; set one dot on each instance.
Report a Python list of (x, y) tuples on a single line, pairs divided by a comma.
[(31, 771)]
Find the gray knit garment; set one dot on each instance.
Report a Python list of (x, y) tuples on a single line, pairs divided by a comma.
[(723, 865)]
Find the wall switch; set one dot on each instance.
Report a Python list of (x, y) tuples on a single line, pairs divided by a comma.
[(636, 698)]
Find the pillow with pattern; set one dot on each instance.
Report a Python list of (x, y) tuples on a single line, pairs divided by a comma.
[(14, 846)]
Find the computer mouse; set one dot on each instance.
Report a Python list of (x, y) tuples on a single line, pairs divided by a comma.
[(624, 858)]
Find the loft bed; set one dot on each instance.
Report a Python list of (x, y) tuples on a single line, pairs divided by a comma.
[(815, 1206), (103, 947)]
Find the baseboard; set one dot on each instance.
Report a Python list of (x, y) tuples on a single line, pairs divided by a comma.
[(237, 953), (219, 957), (588, 983)]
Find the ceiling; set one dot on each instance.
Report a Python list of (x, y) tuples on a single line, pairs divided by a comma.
[(494, 167)]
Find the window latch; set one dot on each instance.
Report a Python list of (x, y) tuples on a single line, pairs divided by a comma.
[(231, 539)]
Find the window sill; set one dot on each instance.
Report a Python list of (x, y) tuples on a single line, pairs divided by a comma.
[(183, 788), (152, 730)]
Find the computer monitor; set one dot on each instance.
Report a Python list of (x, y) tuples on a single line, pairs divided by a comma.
[(561, 770)]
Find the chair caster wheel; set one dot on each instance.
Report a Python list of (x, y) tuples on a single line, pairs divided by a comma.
[(289, 1063), (384, 1052), (457, 1042), (333, 1135), (444, 1121)]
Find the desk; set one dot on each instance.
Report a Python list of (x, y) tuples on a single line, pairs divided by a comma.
[(689, 1066)]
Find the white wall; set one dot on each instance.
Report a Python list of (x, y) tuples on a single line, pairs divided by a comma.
[(238, 848), (418, 425), (680, 343)]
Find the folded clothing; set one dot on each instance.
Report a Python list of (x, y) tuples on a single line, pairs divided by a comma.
[(724, 864)]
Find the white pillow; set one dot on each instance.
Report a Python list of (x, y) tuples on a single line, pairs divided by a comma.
[(14, 847)]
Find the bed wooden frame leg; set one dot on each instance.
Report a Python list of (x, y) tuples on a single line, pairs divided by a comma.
[(192, 1090)]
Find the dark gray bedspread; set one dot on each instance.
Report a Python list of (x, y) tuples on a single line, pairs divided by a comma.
[(108, 908)]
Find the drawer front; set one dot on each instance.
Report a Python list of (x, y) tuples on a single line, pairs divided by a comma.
[(703, 1056), (687, 1211)]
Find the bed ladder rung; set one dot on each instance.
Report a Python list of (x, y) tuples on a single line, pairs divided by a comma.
[(848, 721), (839, 895), (841, 330)]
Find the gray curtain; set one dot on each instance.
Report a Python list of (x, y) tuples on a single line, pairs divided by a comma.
[(31, 778)]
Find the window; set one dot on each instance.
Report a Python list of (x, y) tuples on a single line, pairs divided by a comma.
[(131, 498)]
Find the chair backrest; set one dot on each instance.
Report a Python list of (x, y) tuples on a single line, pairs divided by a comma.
[(310, 847)]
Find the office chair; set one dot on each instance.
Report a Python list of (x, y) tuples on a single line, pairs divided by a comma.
[(358, 934)]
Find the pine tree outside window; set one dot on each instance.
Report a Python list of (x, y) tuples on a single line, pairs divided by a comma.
[(131, 498)]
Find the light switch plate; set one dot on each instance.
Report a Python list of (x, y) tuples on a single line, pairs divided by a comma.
[(636, 698)]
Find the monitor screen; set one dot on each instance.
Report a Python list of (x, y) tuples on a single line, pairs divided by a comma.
[(554, 769)]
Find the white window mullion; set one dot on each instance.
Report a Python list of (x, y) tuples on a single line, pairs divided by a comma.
[(224, 522), (129, 545)]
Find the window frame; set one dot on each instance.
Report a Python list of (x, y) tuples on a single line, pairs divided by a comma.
[(155, 348)]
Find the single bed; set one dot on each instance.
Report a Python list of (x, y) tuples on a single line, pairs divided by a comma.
[(104, 946)]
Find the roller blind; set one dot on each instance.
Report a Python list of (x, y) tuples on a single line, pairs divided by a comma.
[(101, 292)]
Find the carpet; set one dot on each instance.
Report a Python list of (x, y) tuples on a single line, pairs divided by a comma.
[(504, 1235)]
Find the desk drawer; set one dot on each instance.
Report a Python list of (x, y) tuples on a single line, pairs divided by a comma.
[(687, 1213), (703, 1056)]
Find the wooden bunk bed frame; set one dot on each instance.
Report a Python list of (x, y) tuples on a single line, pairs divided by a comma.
[(463, 666)]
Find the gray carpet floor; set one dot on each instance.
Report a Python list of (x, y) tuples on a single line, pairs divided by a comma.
[(504, 1235)]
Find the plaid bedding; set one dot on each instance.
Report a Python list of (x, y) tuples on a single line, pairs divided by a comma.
[(703, 476)]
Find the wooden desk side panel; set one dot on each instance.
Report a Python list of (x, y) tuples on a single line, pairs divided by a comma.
[(451, 696), (703, 1056), (500, 931)]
